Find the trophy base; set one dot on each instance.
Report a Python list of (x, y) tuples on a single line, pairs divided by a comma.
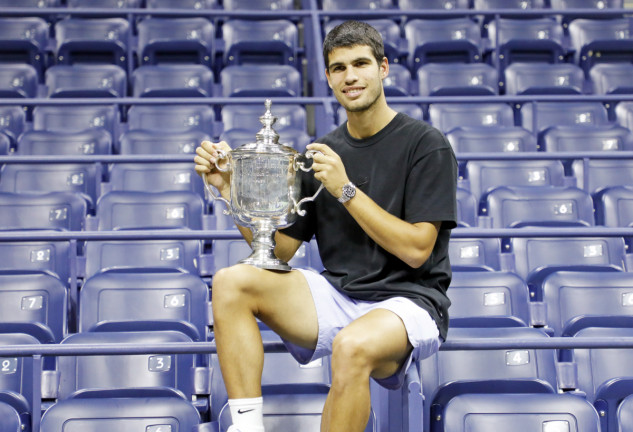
[(266, 262)]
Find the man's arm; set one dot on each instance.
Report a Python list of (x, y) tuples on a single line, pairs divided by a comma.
[(412, 243)]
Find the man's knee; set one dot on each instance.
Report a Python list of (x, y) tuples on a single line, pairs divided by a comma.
[(231, 286), (350, 352)]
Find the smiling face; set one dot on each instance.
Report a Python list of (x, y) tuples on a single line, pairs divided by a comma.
[(355, 77)]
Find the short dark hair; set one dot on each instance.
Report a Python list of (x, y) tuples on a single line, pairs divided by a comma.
[(353, 33)]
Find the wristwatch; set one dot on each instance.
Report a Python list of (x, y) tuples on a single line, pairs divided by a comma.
[(349, 192)]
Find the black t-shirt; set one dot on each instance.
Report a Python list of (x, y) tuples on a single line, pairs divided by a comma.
[(409, 169)]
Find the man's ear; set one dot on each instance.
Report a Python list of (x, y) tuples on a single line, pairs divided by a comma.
[(384, 68), (327, 75)]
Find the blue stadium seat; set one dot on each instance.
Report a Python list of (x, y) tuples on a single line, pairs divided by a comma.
[(51, 257), (577, 300), (484, 176), (475, 254), (5, 144), (260, 41), (176, 40), (121, 210), (12, 121), (398, 82), (83, 180), (521, 413), (605, 374), (595, 175), (586, 4), (549, 206), (122, 4), (433, 4), (35, 304), (18, 80), (236, 116), (356, 4), (587, 139), (447, 117), (611, 78), (536, 258), (154, 412), (59, 211), (543, 78), (24, 40), (295, 138), (467, 208), (10, 418), (150, 255), (31, 3), (624, 114), (456, 79), (601, 41), (86, 81), (455, 40), (486, 139), (391, 38), (77, 118), (552, 114), (99, 40), (614, 206), (155, 177), (180, 4), (160, 142), (171, 118), (489, 299), (258, 5), (110, 372), (260, 80), (505, 4), (449, 374), (140, 300), (625, 414), (166, 80), (43, 142)]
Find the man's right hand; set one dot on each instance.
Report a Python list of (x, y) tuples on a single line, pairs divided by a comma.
[(206, 158)]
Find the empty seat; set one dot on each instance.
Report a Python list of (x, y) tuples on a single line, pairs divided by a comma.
[(489, 299), (10, 418), (624, 114), (552, 114), (155, 177), (594, 175), (113, 372), (77, 118), (398, 82), (466, 208), (611, 78), (496, 140), (484, 176), (121, 210), (585, 4), (447, 117), (24, 40), (625, 414), (393, 43), (86, 81), (51, 257), (83, 180), (176, 40), (149, 412), (605, 374), (102, 40), (152, 142), (576, 300), (58, 211), (258, 5), (456, 40), (31, 3), (18, 80), (521, 413), (150, 255), (260, 80), (449, 79), (260, 41), (601, 41), (179, 80), (134, 301), (498, 371), (43, 142), (550, 206), (295, 138), (12, 121), (536, 258), (542, 78), (355, 4), (505, 4), (433, 4), (236, 116), (586, 139), (5, 144), (614, 207), (475, 254), (179, 4), (171, 118), (123, 4)]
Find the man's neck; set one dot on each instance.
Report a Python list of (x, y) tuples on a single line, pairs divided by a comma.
[(365, 124)]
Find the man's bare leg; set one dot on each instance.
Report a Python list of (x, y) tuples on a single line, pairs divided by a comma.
[(375, 345)]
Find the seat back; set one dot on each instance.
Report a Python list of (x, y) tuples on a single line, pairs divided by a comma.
[(491, 139), (166, 80), (610, 38), (151, 142), (155, 177), (260, 80), (123, 4), (614, 207), (171, 118), (475, 254), (447, 117), (18, 80), (539, 78), (77, 118), (24, 40), (180, 4), (624, 114), (43, 142), (12, 121), (449, 79), (258, 5), (260, 41), (176, 40), (625, 414), (611, 78), (591, 138), (51, 257), (16, 379), (98, 40), (86, 81), (550, 114), (595, 175), (50, 211)]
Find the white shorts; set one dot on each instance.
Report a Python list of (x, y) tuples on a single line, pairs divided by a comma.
[(335, 311)]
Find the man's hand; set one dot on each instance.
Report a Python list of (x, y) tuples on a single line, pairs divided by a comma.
[(329, 169), (206, 159)]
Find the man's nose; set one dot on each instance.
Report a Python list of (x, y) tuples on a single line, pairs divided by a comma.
[(350, 75)]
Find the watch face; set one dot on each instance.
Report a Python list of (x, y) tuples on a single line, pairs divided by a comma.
[(349, 191)]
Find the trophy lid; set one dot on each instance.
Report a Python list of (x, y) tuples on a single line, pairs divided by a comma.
[(267, 139)]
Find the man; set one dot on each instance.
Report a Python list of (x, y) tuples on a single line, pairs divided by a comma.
[(382, 230)]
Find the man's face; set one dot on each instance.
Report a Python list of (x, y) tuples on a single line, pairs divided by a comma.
[(355, 77)]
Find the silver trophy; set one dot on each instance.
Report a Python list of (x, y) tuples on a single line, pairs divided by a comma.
[(265, 189)]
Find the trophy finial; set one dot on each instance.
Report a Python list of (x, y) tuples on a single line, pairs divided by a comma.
[(267, 134)]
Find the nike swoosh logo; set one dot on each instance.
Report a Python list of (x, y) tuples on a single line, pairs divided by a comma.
[(241, 411)]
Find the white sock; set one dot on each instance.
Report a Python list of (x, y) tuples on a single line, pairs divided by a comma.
[(247, 414)]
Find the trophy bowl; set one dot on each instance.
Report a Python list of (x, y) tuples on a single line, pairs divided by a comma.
[(265, 189)]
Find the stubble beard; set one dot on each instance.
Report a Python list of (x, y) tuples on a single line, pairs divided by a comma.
[(363, 107)]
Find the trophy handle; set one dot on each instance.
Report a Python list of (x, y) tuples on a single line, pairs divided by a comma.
[(301, 166), (216, 197)]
